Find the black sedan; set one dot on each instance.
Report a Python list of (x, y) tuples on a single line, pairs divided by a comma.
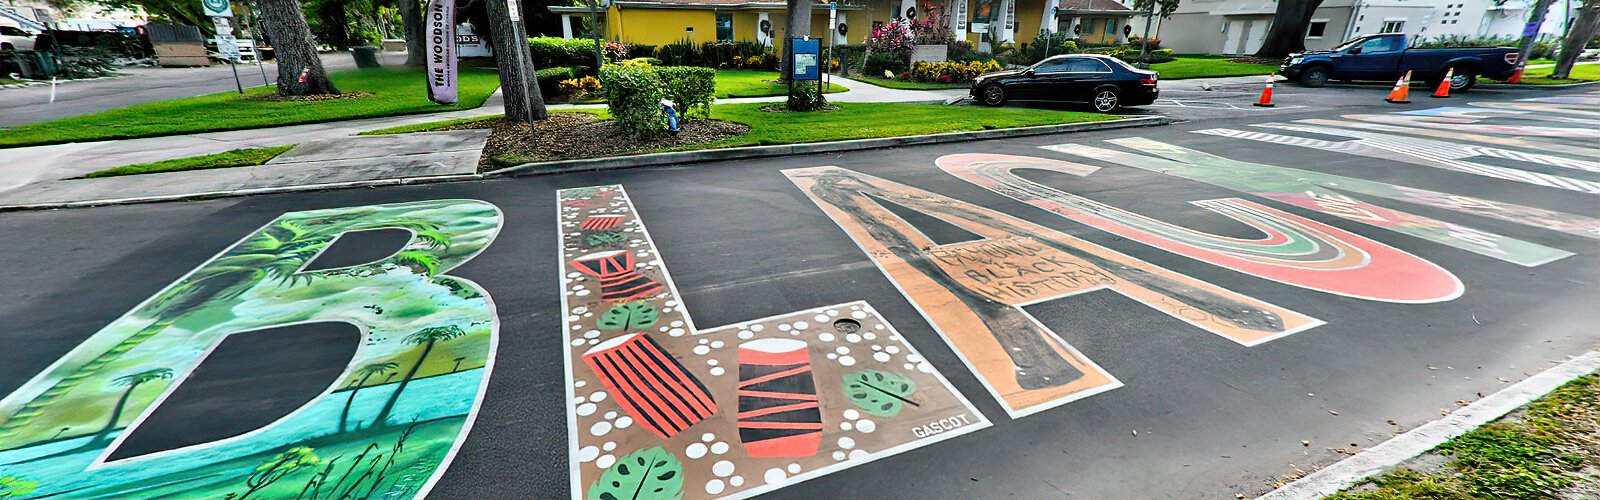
[(1104, 82)]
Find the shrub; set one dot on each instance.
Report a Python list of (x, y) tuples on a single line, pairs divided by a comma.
[(1045, 45), (691, 88), (680, 53), (950, 71), (634, 95), (616, 51), (879, 62), (636, 51), (641, 62), (550, 79), (894, 38), (579, 87), (549, 52), (1155, 42), (806, 98)]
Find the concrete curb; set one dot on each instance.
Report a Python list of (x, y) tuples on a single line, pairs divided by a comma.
[(1528, 86), (1375, 460), (637, 161), (750, 152)]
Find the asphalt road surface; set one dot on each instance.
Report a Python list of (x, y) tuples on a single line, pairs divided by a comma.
[(1193, 356)]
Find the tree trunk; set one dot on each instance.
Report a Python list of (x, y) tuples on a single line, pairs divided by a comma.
[(1536, 18), (517, 84), (345, 415), (411, 19), (335, 23), (1578, 36), (1288, 32), (296, 54), (797, 23), (116, 414)]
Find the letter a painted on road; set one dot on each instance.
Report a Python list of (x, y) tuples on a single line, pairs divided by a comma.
[(1293, 250), (414, 384), (972, 291)]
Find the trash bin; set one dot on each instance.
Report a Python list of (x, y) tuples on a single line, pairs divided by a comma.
[(36, 65), (366, 57)]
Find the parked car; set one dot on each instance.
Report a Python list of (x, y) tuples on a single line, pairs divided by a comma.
[(1104, 82), (14, 38), (1387, 57)]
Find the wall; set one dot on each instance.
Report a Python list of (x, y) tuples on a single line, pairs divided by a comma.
[(1192, 33), (661, 26)]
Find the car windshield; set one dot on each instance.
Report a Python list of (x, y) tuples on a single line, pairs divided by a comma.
[(1346, 46)]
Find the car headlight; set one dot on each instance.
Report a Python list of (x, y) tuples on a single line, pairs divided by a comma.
[(1296, 60)]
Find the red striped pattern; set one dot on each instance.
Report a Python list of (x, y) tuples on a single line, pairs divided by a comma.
[(650, 385), (601, 222)]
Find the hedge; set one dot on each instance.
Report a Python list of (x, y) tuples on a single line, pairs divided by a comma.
[(691, 88), (550, 78), (552, 52), (634, 93)]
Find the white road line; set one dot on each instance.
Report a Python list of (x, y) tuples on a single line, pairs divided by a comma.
[(1400, 448)]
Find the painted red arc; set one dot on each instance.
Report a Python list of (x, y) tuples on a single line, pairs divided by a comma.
[(1294, 250)]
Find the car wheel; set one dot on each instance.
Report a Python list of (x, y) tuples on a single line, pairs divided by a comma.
[(1315, 76), (993, 95), (7, 47), (1106, 100), (1463, 80)]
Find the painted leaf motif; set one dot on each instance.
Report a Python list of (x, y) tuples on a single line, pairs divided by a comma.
[(879, 392), (652, 473), (628, 316)]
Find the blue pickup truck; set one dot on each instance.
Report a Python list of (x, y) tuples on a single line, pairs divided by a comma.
[(1386, 57)]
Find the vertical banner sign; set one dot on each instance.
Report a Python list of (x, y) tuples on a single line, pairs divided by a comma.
[(441, 47)]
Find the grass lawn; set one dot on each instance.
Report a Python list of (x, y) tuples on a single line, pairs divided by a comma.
[(1209, 66), (1545, 452), (234, 158), (392, 92), (1580, 73), (908, 85), (752, 83)]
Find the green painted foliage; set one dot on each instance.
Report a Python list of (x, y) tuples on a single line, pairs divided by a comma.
[(16, 487), (604, 238), (628, 316), (652, 473), (879, 392)]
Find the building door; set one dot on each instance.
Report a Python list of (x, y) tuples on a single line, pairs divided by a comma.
[(1234, 36), (1257, 35)]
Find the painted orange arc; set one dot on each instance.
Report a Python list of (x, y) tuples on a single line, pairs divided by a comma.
[(1293, 250)]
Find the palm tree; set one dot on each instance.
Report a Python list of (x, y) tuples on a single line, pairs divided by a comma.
[(425, 337), (277, 253), (365, 372), (131, 382)]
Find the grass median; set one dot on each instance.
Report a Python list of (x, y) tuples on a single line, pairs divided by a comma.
[(1185, 67), (1549, 449), (751, 83), (370, 93), (1580, 73), (235, 158)]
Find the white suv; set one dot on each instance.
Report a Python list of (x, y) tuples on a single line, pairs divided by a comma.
[(14, 38)]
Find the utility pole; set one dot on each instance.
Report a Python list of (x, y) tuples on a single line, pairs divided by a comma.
[(1530, 34), (594, 31)]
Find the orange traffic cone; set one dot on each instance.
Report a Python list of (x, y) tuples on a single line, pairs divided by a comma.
[(1516, 77), (1444, 86), (1266, 94), (1402, 90)]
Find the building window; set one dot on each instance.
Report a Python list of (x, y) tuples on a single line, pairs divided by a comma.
[(1393, 27), (1317, 29), (1111, 27), (724, 26)]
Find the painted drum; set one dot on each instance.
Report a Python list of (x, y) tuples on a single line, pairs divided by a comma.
[(619, 278), (778, 414), (650, 384)]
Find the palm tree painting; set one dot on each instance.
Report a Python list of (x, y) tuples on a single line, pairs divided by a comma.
[(273, 255), (365, 373), (426, 338), (132, 382)]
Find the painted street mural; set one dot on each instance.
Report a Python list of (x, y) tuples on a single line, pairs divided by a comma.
[(661, 409), (1455, 135), (1448, 119), (1327, 193), (1428, 153), (972, 290), (387, 428), (1293, 250)]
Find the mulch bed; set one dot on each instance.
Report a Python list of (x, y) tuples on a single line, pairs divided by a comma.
[(571, 136)]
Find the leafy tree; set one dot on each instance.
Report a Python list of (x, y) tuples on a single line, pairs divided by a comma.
[(131, 382), (1152, 9), (175, 11), (365, 372), (1288, 32), (1579, 35), (300, 71), (426, 338)]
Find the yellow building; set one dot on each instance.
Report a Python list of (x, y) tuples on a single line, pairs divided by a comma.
[(981, 22)]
